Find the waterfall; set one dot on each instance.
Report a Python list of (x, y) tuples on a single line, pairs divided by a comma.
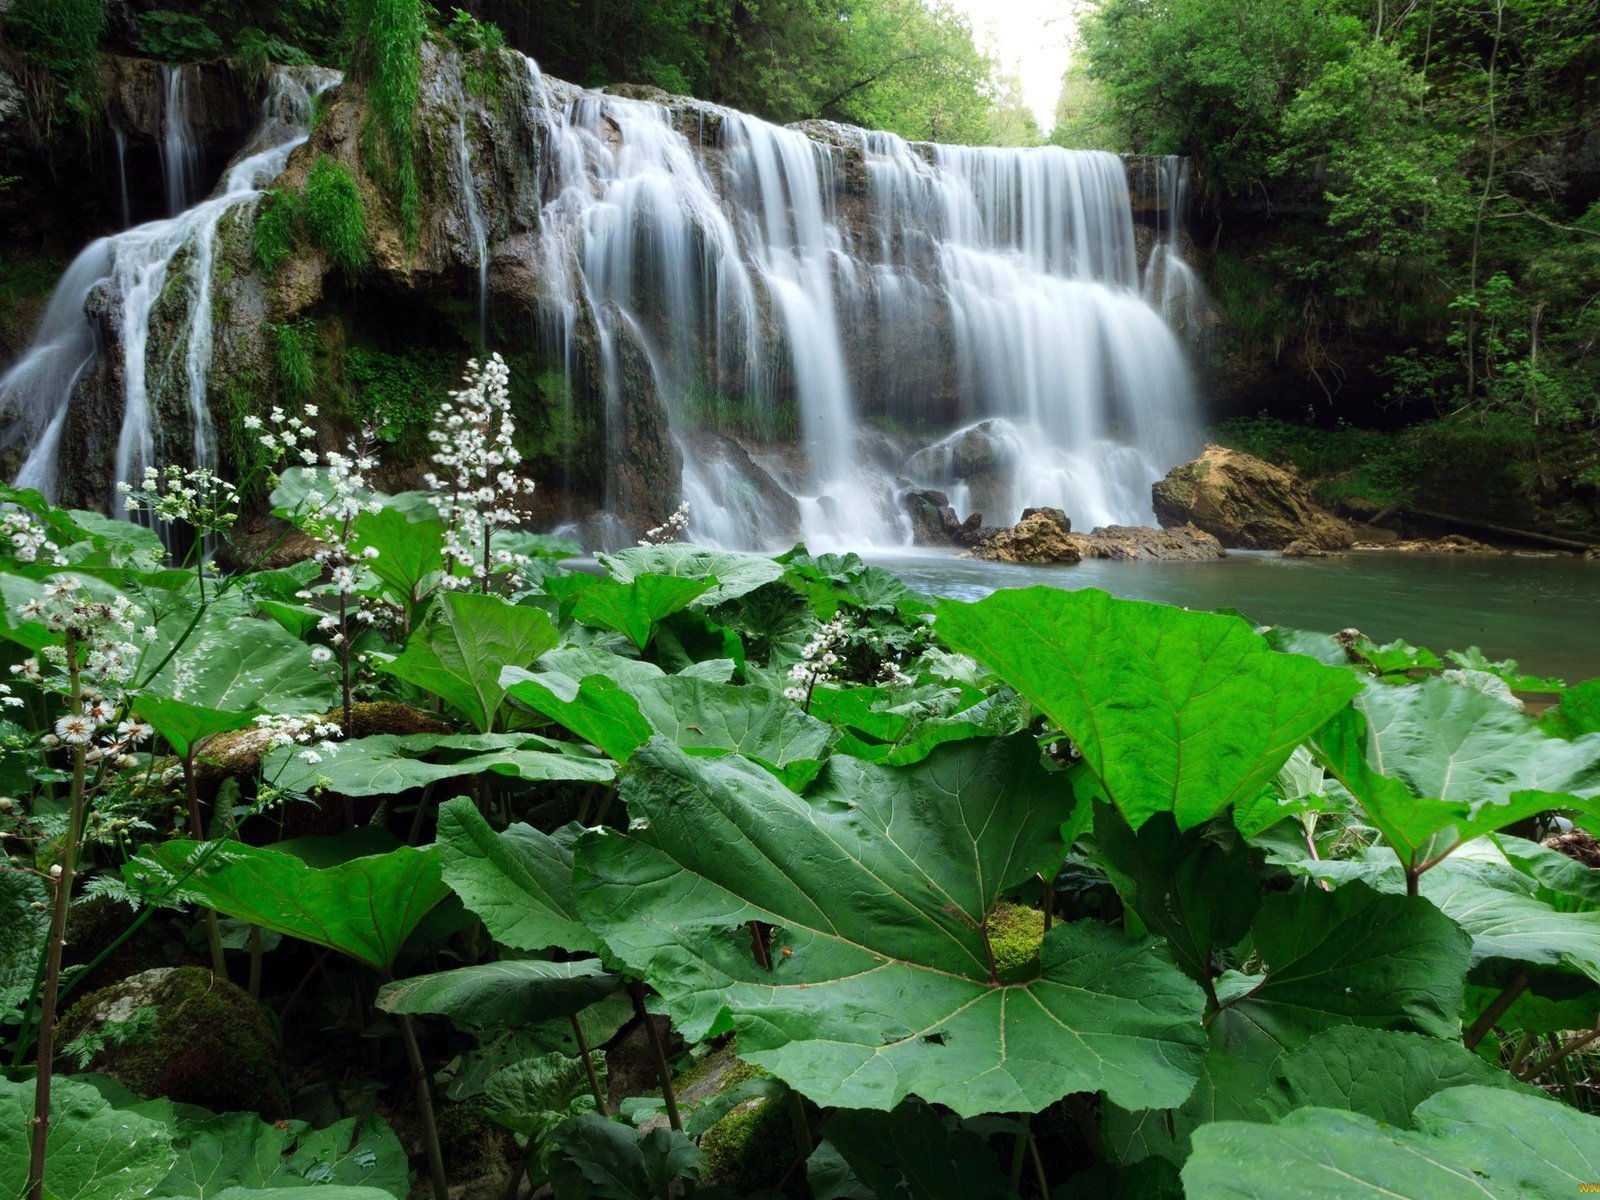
[(180, 150), (468, 186), (121, 140), (134, 269), (1170, 282), (987, 302)]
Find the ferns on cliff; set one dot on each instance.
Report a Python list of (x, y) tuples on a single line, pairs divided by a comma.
[(387, 37)]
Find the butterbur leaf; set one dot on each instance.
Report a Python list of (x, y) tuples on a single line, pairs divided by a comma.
[(239, 1152), (1175, 711), (95, 1152), (183, 725), (1467, 1141), (502, 995), (912, 1152), (732, 574), (592, 1158), (877, 886), (1436, 764), (1381, 1073), (463, 643), (387, 763), (518, 882), (1577, 714), (635, 609), (365, 907), (535, 1094), (408, 546)]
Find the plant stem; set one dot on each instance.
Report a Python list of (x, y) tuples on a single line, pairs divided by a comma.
[(1038, 1167), (254, 986), (1497, 1009), (1558, 1055), (61, 902), (197, 830), (659, 1047), (1019, 1155), (430, 1127), (600, 1103), (802, 1123)]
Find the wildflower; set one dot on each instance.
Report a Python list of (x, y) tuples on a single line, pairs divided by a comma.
[(321, 654), (669, 530), (134, 732), (76, 731)]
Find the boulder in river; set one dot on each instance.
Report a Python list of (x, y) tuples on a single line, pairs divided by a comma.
[(1041, 537), (1245, 503)]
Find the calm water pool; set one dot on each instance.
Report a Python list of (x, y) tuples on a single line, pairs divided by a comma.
[(1543, 612)]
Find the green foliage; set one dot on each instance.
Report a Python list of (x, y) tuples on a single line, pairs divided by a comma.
[(61, 38), (335, 214), (364, 907), (174, 36), (292, 356), (394, 393), (276, 228), (98, 1152), (387, 58)]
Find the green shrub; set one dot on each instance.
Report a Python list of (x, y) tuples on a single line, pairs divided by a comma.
[(62, 37), (395, 394), (293, 358), (388, 59), (177, 36), (469, 33), (257, 51), (334, 213), (276, 227)]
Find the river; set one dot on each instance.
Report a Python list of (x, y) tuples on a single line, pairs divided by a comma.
[(1543, 612)]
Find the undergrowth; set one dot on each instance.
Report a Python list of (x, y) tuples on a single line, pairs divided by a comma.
[(61, 39)]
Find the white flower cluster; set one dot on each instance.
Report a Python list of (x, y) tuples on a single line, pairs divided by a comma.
[(478, 486), (892, 676), (817, 661), (103, 630), (197, 496), (27, 537), (313, 733), (670, 530)]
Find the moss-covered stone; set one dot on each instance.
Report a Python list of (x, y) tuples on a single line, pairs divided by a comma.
[(1014, 935), (751, 1148), (182, 1033)]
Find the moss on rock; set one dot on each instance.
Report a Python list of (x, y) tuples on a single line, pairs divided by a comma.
[(182, 1033)]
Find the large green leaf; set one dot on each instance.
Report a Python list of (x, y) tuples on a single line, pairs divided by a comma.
[(239, 1150), (463, 643), (365, 907), (94, 1152), (183, 725), (1468, 1141), (409, 546), (238, 664), (534, 1095), (1381, 1073), (911, 1152), (1198, 889), (699, 715), (592, 1158), (386, 763), (878, 885), (1577, 714), (731, 573), (1436, 764), (1175, 711), (518, 882), (502, 995), (1499, 908), (635, 609), (1352, 955)]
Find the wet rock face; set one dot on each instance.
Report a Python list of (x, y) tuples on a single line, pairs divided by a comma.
[(1039, 538), (934, 522), (1245, 503)]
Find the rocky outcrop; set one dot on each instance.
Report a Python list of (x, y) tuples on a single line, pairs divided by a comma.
[(1453, 543), (934, 522), (1300, 548), (1043, 537), (1245, 503)]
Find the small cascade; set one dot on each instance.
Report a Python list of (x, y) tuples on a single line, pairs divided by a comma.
[(474, 216), (120, 140), (180, 150), (1170, 283), (133, 271)]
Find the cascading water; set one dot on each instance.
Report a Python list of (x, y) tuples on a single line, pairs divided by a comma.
[(1008, 278), (180, 150), (474, 216), (132, 268)]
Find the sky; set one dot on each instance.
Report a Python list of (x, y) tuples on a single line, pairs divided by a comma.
[(1030, 37)]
